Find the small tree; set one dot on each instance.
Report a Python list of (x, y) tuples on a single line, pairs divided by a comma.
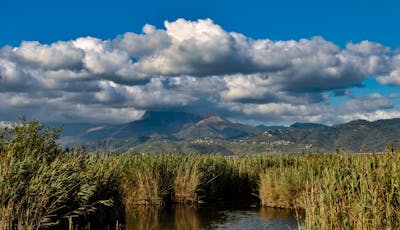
[(41, 186), (29, 138)]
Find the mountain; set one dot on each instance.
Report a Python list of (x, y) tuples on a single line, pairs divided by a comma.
[(299, 125), (216, 126), (152, 125), (264, 128), (354, 136), (158, 125), (183, 132)]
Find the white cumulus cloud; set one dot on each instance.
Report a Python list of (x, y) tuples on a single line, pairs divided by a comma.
[(196, 66)]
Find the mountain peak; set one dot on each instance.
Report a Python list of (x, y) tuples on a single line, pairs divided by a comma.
[(156, 125), (214, 118)]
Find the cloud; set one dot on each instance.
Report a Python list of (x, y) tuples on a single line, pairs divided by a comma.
[(140, 45), (194, 66), (370, 107), (372, 116), (393, 76), (272, 113), (154, 95), (372, 102), (259, 89), (63, 109), (59, 55)]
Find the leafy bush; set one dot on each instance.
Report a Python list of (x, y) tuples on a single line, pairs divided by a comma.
[(42, 185)]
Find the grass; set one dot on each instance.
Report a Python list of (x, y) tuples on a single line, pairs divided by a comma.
[(44, 186), (355, 192)]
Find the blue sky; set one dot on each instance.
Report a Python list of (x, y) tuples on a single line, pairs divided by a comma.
[(337, 21), (275, 94)]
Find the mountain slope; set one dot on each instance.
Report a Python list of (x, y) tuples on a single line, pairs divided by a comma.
[(156, 124), (216, 126), (159, 125), (264, 128), (355, 136), (299, 125)]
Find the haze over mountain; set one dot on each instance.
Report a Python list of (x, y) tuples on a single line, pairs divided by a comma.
[(163, 131)]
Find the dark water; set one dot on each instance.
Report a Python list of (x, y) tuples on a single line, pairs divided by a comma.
[(211, 217)]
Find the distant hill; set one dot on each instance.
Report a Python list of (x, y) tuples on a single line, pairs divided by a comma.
[(159, 131), (355, 136), (264, 128), (298, 125), (216, 126)]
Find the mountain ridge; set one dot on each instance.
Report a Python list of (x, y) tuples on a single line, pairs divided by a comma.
[(354, 136)]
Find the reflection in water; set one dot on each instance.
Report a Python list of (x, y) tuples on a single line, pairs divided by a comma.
[(208, 216)]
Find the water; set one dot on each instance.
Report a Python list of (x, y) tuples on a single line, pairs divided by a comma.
[(211, 217)]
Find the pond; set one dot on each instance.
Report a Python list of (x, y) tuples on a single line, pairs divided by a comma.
[(211, 216)]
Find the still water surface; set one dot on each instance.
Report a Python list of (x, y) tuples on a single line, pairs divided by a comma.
[(211, 217)]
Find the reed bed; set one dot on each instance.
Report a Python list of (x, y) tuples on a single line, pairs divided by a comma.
[(355, 192), (45, 186)]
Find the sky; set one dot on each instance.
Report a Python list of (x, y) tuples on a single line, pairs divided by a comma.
[(258, 62)]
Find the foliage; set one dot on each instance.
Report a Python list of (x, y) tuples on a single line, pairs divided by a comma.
[(29, 138), (41, 184)]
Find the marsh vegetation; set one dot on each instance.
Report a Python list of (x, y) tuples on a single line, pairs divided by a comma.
[(43, 185)]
